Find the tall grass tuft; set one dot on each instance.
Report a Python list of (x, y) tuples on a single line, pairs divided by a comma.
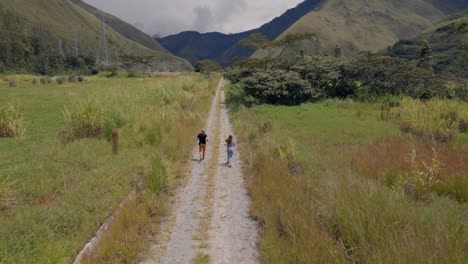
[(11, 121), (437, 118), (157, 176), (114, 121), (85, 120)]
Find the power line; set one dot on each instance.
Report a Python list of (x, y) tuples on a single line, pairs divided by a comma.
[(76, 42), (60, 48), (103, 55)]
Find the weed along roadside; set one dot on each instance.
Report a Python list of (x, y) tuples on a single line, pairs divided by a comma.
[(331, 182), (57, 191)]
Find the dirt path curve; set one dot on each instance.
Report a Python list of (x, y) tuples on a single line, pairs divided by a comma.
[(210, 219)]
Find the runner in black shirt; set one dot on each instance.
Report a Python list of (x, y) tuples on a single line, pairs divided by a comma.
[(202, 139)]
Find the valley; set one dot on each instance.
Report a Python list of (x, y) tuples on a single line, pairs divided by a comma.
[(337, 132)]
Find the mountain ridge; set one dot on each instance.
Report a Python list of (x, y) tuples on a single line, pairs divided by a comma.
[(336, 22), (221, 47)]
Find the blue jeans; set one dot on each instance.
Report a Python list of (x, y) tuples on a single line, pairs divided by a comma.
[(230, 153)]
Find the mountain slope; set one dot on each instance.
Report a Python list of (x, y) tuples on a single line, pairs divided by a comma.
[(122, 27), (369, 25), (195, 46), (449, 42), (54, 20)]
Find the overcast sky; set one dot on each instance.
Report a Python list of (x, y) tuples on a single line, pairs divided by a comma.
[(166, 17)]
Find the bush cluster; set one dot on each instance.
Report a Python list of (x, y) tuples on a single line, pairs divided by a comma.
[(367, 77), (279, 87)]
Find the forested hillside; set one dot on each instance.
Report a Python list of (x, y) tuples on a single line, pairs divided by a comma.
[(448, 41), (42, 35)]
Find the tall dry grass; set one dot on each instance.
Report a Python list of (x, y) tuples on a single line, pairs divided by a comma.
[(11, 121), (420, 167), (437, 118), (314, 206)]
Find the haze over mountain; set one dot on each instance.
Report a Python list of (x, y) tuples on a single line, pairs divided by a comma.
[(54, 20), (354, 25), (167, 17)]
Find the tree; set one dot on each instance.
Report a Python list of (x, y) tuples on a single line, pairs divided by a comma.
[(257, 41), (254, 41), (289, 40), (425, 56), (207, 66)]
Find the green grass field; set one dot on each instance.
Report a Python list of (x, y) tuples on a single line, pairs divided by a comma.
[(316, 204), (54, 196)]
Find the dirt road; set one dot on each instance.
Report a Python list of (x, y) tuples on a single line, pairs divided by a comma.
[(210, 222)]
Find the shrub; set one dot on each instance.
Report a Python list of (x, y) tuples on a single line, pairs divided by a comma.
[(436, 118), (80, 79), (460, 90), (464, 121), (85, 120), (113, 70), (131, 74), (49, 80), (114, 121), (12, 83), (60, 80), (43, 80), (34, 81), (156, 179), (237, 96), (11, 121), (238, 74), (71, 78), (279, 87)]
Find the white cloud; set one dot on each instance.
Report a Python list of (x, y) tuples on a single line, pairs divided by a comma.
[(166, 17)]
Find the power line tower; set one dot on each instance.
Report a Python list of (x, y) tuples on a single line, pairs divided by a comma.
[(103, 55), (76, 42), (60, 48)]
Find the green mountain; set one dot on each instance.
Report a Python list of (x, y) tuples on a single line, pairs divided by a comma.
[(449, 43), (195, 46), (51, 22), (367, 25)]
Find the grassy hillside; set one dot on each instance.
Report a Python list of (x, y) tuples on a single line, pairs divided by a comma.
[(449, 42), (361, 25), (54, 196), (195, 46), (54, 20), (122, 27)]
